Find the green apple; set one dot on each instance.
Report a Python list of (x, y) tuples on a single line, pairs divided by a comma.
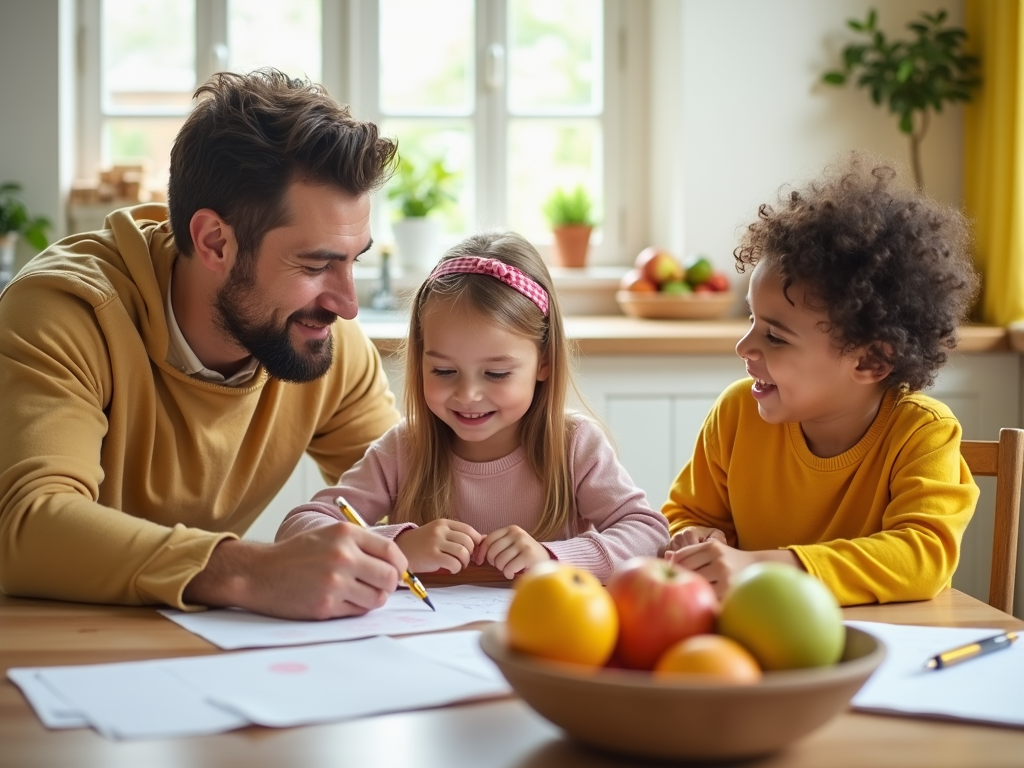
[(676, 288), (784, 616), (699, 270)]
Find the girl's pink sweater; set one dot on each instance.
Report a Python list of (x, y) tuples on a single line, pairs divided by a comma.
[(613, 523)]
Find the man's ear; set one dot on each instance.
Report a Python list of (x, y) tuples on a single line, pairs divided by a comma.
[(873, 363), (213, 241)]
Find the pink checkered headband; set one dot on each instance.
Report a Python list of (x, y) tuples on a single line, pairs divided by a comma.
[(513, 277)]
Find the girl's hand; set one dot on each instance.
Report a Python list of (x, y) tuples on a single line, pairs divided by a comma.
[(439, 544), (694, 534), (719, 563), (510, 550)]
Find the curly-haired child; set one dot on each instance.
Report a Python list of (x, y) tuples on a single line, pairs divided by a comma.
[(829, 458)]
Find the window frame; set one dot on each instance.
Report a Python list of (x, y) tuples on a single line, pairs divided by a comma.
[(350, 72)]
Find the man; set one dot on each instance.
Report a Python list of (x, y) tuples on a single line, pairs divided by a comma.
[(161, 379)]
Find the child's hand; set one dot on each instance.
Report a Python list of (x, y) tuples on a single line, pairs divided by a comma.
[(719, 563), (694, 534), (510, 550), (446, 544)]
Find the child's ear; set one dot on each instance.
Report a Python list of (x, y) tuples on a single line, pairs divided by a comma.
[(544, 368), (873, 363)]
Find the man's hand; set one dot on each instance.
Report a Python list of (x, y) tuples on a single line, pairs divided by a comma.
[(439, 544), (510, 550), (329, 572), (719, 563), (694, 534)]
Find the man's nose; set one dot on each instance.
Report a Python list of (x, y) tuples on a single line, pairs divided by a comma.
[(340, 297)]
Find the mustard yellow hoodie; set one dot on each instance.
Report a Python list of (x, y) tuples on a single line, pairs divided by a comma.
[(118, 473)]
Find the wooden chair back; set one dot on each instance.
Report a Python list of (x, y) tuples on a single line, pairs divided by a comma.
[(1003, 460)]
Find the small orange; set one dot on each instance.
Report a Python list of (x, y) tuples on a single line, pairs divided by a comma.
[(563, 613), (710, 658)]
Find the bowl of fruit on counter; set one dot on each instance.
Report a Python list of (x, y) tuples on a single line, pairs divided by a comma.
[(660, 286)]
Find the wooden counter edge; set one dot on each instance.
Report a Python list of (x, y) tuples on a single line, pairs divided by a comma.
[(621, 335)]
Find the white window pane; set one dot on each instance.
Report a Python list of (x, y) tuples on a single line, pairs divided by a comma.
[(275, 33), (555, 56), (544, 155), (143, 141), (422, 142), (426, 57), (149, 55)]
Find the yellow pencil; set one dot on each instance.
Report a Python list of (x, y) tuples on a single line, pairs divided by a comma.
[(972, 650), (411, 580)]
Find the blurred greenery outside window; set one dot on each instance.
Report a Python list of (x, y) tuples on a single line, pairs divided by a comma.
[(510, 93)]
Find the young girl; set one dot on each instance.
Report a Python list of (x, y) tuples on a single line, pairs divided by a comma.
[(488, 466), (828, 457)]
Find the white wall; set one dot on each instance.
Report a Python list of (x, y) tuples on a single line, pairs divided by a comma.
[(739, 110)]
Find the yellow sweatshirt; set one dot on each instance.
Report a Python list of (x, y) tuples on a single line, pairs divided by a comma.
[(118, 473), (881, 522)]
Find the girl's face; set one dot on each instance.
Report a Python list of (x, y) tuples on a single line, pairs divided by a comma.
[(798, 374), (478, 378)]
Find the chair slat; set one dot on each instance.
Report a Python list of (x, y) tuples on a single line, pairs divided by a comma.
[(1003, 460)]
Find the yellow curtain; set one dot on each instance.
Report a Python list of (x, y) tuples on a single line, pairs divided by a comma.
[(994, 156)]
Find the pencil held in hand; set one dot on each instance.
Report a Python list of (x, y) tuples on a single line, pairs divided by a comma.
[(411, 579)]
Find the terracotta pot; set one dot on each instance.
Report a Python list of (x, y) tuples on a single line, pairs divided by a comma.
[(570, 246)]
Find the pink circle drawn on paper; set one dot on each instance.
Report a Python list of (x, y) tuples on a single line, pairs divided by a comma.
[(289, 667)]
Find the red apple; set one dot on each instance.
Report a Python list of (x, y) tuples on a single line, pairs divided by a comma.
[(718, 282), (635, 281), (659, 604), (658, 266)]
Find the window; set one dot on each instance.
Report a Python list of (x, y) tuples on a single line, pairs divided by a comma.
[(517, 96)]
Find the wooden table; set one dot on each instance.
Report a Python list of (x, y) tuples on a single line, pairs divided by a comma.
[(503, 733)]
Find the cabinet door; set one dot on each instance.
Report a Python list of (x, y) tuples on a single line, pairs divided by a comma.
[(654, 407)]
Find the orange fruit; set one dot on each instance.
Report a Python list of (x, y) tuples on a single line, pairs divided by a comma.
[(562, 613), (710, 658)]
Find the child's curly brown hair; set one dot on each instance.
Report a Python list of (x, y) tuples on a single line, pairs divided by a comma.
[(891, 267)]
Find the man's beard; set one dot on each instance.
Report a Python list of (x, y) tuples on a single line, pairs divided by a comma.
[(237, 306)]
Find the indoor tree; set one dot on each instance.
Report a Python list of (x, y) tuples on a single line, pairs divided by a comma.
[(912, 77)]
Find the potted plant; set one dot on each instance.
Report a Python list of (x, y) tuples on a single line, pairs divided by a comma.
[(15, 220), (419, 189), (913, 77), (570, 216)]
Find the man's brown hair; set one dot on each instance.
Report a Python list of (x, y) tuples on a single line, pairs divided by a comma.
[(252, 135)]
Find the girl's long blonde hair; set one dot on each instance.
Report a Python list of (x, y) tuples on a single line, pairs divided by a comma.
[(545, 431)]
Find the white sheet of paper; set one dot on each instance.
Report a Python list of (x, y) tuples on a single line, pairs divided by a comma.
[(404, 613), (52, 709), (460, 650), (284, 687), (988, 689), (139, 700)]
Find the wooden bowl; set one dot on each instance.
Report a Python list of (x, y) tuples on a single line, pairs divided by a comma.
[(633, 714), (660, 306)]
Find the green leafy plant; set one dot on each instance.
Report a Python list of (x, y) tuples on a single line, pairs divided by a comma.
[(913, 77), (14, 217), (420, 189), (566, 208)]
